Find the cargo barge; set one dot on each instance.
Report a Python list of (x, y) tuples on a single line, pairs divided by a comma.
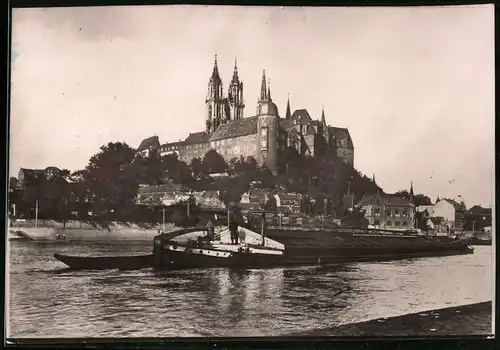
[(299, 247), (241, 247)]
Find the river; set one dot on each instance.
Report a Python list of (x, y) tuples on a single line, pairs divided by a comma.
[(45, 302)]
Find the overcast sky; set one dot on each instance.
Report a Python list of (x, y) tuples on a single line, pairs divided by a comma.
[(415, 86)]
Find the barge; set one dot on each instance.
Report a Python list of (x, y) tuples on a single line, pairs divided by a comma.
[(300, 247), (275, 247)]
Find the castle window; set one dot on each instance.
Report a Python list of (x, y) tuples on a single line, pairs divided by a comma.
[(405, 223), (397, 223), (263, 141), (389, 223)]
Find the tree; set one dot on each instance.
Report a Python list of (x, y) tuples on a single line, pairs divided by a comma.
[(196, 166), (213, 162), (418, 199), (150, 170), (112, 176), (175, 170)]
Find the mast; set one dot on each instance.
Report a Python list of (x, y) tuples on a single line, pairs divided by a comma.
[(262, 228), (163, 219), (36, 213)]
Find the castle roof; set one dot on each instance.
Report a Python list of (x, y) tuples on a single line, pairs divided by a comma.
[(236, 128), (302, 116), (150, 142), (197, 137), (340, 134), (286, 124)]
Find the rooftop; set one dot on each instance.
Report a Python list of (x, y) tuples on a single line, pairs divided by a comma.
[(236, 128), (167, 188), (150, 142), (197, 137), (388, 199), (341, 134)]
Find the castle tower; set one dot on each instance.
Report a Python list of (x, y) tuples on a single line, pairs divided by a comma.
[(267, 128), (214, 101), (235, 96)]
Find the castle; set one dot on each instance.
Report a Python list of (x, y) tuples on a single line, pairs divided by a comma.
[(263, 136)]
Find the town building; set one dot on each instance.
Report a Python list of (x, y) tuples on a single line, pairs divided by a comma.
[(480, 211), (25, 174), (444, 213), (287, 203), (149, 145), (161, 194), (170, 194), (262, 136), (388, 211)]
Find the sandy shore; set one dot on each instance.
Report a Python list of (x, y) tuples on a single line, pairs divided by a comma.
[(473, 319)]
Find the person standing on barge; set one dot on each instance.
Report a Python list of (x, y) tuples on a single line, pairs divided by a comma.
[(233, 229), (210, 230)]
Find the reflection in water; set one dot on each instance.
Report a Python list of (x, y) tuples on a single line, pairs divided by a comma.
[(223, 302)]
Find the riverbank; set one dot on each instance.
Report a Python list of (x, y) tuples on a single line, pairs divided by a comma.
[(473, 319), (90, 231)]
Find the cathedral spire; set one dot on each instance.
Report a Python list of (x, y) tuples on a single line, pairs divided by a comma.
[(323, 119), (263, 92), (269, 89), (235, 72), (288, 114), (215, 72)]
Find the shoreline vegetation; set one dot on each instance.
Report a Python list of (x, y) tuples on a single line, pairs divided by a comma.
[(108, 188), (472, 319)]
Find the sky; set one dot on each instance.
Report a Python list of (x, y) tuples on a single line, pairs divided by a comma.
[(414, 85)]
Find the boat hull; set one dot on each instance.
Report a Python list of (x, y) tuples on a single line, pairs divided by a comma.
[(182, 260), (309, 248), (104, 263)]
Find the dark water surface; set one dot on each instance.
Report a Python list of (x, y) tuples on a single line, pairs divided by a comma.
[(45, 302)]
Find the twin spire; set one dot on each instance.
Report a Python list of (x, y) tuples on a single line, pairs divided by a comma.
[(216, 76), (265, 92), (215, 73), (235, 73)]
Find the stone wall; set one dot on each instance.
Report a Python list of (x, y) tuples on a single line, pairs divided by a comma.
[(245, 146), (188, 152), (346, 154)]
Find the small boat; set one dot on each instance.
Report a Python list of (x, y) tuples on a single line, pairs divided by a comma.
[(15, 235), (106, 262), (479, 241)]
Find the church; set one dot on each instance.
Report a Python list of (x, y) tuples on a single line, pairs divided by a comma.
[(263, 136)]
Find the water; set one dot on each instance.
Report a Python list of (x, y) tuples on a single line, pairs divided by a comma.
[(45, 302)]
